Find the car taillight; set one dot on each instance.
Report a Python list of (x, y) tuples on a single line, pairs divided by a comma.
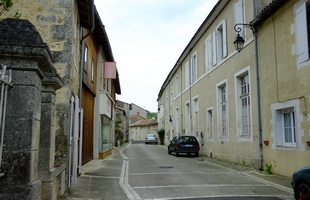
[(178, 145), (197, 145), (156, 138), (147, 138)]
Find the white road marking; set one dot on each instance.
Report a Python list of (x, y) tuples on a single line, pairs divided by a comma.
[(286, 189), (223, 196), (99, 176), (203, 185), (123, 181)]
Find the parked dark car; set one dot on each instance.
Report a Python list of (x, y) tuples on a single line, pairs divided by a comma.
[(301, 183), (184, 144), (151, 138)]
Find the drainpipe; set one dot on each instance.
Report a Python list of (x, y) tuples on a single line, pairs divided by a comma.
[(92, 28), (260, 130)]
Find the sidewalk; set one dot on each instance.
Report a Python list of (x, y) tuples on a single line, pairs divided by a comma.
[(271, 179), (100, 179)]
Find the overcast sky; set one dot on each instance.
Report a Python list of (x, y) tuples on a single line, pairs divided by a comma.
[(147, 37)]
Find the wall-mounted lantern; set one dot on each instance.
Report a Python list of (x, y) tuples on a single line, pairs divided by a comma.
[(239, 41)]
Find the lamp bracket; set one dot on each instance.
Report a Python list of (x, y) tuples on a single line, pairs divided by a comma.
[(238, 29)]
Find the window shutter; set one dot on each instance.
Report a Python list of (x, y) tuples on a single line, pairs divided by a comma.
[(214, 48), (278, 128), (224, 39), (301, 33), (187, 75), (209, 52), (206, 56), (238, 8)]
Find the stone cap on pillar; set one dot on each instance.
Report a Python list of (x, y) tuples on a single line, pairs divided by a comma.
[(52, 82), (19, 40)]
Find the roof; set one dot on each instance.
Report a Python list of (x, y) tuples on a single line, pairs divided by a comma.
[(85, 12), (146, 122), (137, 115), (267, 11)]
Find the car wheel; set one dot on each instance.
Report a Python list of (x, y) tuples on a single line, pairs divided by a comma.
[(303, 192), (197, 154), (169, 152)]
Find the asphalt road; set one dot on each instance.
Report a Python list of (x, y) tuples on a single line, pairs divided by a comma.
[(139, 171), (148, 172)]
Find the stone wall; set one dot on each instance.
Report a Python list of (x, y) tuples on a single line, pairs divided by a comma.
[(29, 136), (57, 22)]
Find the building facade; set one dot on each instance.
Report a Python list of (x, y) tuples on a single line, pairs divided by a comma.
[(249, 107), (134, 109), (285, 86), (211, 92), (140, 129), (83, 119)]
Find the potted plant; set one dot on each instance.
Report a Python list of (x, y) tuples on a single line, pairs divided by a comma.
[(266, 142)]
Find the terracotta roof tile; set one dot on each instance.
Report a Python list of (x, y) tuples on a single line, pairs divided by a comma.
[(145, 122)]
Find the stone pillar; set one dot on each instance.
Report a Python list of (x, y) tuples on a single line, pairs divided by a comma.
[(23, 51), (47, 169)]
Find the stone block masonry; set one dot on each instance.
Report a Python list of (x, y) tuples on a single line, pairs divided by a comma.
[(29, 137)]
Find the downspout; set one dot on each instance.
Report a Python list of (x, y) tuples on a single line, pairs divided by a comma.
[(260, 130), (92, 28)]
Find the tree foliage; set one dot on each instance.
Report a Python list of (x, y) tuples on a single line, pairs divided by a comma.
[(161, 135), (6, 5), (151, 115)]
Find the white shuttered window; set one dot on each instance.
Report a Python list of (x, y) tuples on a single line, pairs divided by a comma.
[(239, 15), (187, 75), (301, 29)]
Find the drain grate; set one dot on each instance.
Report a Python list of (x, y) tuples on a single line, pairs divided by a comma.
[(166, 167)]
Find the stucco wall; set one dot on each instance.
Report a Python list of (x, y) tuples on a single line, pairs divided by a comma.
[(283, 82), (243, 150)]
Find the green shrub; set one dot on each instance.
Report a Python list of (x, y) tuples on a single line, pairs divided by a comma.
[(268, 169), (161, 135)]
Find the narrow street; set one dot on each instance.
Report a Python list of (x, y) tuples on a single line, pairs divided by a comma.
[(140, 171)]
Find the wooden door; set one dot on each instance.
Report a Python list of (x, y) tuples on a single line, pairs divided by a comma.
[(88, 99)]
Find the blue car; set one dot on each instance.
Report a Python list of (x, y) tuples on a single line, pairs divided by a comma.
[(301, 184), (184, 144)]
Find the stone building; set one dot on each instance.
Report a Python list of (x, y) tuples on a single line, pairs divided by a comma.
[(134, 109), (211, 92), (66, 28), (248, 105), (29, 168), (140, 129), (285, 85)]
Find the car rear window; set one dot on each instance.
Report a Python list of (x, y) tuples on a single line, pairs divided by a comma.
[(151, 135), (187, 139)]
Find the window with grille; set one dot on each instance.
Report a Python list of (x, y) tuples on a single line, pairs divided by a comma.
[(223, 111), (288, 125), (286, 122), (245, 105)]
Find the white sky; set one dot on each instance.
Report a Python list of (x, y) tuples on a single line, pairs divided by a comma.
[(147, 37)]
